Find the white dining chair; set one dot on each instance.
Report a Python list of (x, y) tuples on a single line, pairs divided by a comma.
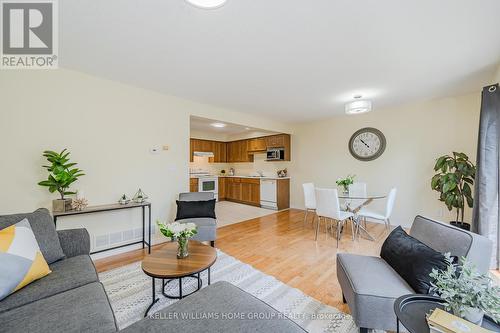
[(309, 201), (356, 190), (366, 213), (328, 209)]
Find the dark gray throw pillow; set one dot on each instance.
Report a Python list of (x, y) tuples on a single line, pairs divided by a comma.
[(44, 229), (411, 259), (195, 209)]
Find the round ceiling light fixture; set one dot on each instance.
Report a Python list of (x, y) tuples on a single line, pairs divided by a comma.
[(358, 106), (207, 4), (218, 125)]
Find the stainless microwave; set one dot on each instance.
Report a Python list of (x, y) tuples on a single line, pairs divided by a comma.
[(275, 154)]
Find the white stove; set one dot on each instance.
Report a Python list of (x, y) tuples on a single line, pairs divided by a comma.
[(206, 182)]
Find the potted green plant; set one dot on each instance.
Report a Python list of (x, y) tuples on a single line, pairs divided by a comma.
[(467, 293), (345, 182), (62, 174), (454, 181)]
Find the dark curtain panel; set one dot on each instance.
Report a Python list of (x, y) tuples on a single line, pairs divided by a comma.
[(486, 200)]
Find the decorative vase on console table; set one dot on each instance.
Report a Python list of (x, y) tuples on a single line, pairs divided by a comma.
[(181, 232)]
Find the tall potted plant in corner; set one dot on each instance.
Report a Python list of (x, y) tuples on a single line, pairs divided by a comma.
[(454, 180), (61, 175)]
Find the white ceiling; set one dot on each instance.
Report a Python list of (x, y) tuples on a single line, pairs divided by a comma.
[(205, 125), (288, 59)]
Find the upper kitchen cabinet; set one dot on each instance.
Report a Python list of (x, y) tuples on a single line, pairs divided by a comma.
[(256, 145), (280, 141), (241, 151), (220, 152), (237, 151), (218, 148)]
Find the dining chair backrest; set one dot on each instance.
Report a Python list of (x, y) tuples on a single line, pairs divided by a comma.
[(390, 202), (356, 190), (327, 203), (309, 196)]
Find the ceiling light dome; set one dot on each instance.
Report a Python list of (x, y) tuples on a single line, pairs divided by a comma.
[(358, 106), (207, 4)]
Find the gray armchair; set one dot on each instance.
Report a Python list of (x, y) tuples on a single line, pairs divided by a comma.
[(207, 227), (370, 286)]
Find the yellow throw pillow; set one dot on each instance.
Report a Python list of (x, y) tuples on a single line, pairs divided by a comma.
[(20, 258)]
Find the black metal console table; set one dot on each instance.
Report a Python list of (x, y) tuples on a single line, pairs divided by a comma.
[(108, 208)]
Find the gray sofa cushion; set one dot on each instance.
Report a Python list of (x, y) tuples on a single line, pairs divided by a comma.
[(66, 274), (207, 228), (85, 309), (374, 286), (221, 298), (45, 232)]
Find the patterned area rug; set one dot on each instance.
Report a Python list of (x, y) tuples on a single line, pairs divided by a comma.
[(129, 291)]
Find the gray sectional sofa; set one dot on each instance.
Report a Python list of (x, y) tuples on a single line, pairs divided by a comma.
[(71, 298)]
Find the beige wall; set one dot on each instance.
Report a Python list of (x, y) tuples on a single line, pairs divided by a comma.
[(416, 135), (109, 128)]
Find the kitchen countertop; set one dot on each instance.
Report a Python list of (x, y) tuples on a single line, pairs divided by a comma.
[(237, 176)]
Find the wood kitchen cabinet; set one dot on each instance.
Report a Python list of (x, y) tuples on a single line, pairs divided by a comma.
[(220, 152), (193, 184), (237, 151), (240, 151), (233, 189), (209, 146), (222, 188), (256, 145), (242, 190), (250, 191)]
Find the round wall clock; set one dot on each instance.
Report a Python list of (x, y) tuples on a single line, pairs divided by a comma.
[(367, 144)]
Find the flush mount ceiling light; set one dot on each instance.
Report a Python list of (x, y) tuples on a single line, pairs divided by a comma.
[(218, 125), (207, 4), (358, 106)]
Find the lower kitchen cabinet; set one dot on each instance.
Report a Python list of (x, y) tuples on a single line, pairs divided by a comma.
[(193, 184), (248, 191), (222, 188)]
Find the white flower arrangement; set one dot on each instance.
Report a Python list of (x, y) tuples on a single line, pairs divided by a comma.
[(177, 230)]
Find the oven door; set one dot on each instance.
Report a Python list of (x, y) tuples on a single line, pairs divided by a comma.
[(208, 185)]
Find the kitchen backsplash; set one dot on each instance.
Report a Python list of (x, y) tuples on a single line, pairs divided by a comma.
[(243, 169)]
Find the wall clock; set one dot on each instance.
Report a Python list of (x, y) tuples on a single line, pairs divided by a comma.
[(367, 144)]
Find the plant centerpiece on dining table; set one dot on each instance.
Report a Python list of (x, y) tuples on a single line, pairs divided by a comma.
[(467, 293), (180, 232), (345, 182)]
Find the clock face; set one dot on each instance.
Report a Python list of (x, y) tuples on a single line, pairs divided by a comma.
[(367, 144)]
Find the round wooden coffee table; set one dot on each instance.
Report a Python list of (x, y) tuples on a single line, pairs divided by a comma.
[(163, 264)]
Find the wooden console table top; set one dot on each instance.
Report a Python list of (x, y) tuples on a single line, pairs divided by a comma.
[(102, 208)]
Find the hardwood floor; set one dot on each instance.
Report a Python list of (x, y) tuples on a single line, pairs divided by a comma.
[(279, 245)]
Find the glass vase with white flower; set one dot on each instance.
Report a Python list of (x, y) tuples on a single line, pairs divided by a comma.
[(180, 232), (345, 182)]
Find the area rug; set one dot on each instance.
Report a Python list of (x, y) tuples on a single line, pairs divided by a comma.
[(129, 291)]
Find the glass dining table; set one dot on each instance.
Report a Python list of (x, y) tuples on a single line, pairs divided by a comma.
[(361, 201)]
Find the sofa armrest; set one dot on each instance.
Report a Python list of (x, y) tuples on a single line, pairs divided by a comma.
[(74, 242)]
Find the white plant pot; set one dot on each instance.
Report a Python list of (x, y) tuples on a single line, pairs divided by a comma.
[(474, 315)]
